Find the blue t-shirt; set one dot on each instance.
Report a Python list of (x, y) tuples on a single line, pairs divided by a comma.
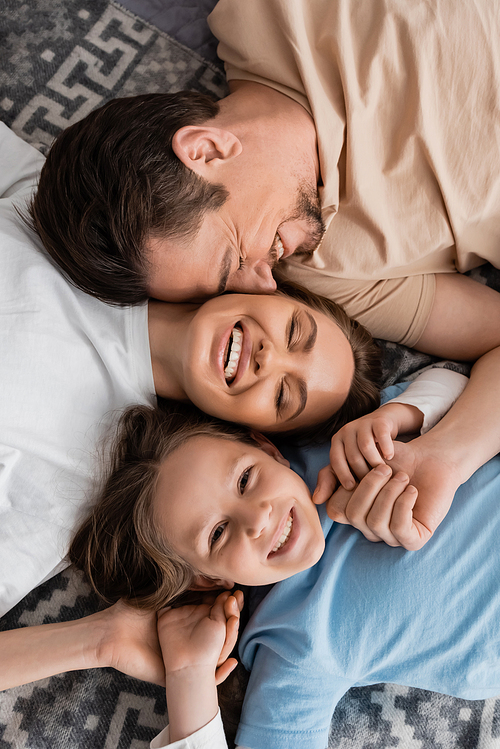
[(368, 613)]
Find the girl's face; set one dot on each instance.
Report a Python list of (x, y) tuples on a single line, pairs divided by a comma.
[(269, 362), (237, 512)]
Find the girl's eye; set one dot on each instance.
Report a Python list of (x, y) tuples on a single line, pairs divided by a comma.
[(244, 479), (217, 534)]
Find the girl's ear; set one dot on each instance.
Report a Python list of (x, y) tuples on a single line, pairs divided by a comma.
[(270, 448), (201, 582), (202, 148)]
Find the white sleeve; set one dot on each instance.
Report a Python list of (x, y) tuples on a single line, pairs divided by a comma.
[(433, 393), (20, 163), (211, 736)]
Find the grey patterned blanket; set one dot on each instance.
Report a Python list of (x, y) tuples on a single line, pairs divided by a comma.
[(58, 60)]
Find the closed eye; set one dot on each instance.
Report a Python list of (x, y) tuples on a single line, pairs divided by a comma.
[(281, 399)]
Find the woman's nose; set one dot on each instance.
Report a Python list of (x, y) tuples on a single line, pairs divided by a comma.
[(270, 358), (263, 357)]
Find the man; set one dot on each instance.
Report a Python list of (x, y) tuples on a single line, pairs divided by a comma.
[(389, 108)]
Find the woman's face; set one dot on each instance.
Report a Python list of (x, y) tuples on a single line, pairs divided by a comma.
[(237, 512), (268, 361)]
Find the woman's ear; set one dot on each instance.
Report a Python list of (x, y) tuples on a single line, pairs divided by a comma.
[(200, 148), (270, 448), (201, 582)]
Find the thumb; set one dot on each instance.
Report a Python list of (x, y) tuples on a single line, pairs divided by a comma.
[(224, 670), (325, 486)]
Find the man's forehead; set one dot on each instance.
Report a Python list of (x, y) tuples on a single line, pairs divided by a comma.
[(188, 271)]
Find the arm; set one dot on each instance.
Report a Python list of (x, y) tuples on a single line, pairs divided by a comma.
[(119, 637), (195, 643), (464, 325)]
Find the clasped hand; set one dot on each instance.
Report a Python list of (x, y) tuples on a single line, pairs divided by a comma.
[(391, 491), (145, 645), (201, 636)]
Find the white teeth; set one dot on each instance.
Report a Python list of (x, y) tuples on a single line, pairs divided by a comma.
[(285, 535), (279, 246), (234, 353)]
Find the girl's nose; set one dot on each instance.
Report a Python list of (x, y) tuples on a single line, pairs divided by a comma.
[(255, 518)]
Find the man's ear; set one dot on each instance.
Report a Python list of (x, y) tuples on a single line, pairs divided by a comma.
[(270, 448), (199, 147), (201, 582)]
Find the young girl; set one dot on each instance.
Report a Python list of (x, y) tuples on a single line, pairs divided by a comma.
[(350, 613), (147, 570), (255, 525)]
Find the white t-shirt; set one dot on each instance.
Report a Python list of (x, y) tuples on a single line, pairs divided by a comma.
[(69, 364)]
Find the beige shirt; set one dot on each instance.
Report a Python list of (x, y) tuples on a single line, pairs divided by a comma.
[(405, 98)]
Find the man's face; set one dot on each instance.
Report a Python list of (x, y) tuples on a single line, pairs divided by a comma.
[(238, 245)]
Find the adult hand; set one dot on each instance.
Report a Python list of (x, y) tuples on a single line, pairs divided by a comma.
[(385, 506), (128, 641), (436, 477), (380, 506)]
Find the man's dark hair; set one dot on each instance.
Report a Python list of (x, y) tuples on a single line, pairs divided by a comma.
[(112, 181)]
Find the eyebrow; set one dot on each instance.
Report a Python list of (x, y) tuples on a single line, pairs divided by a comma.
[(302, 397), (308, 346), (225, 270), (311, 338), (199, 534)]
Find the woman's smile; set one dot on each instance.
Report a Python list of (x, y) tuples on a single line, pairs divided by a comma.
[(233, 353), (267, 361)]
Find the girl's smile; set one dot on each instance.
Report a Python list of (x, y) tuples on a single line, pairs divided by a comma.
[(240, 514)]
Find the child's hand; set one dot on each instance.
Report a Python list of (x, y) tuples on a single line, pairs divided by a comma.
[(367, 442), (201, 637), (380, 506)]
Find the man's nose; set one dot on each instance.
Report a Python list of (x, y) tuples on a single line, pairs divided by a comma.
[(264, 277), (257, 278)]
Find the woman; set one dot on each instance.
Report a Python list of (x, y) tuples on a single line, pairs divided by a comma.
[(282, 362), (105, 639)]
